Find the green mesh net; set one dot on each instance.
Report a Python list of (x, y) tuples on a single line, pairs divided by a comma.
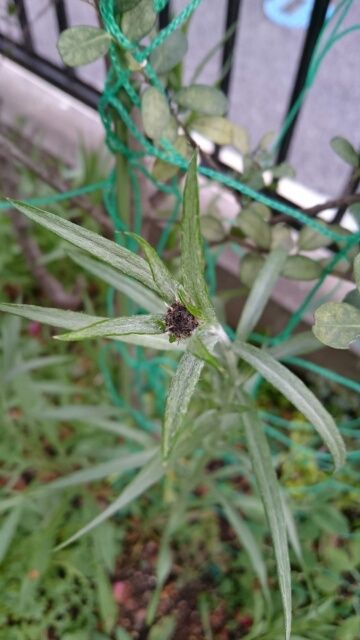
[(116, 106)]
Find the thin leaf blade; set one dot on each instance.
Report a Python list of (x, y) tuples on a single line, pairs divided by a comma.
[(8, 530), (118, 257), (248, 541), (142, 296), (192, 255), (180, 393), (151, 473), (73, 320), (269, 490), (116, 467), (114, 327), (50, 315), (299, 395), (162, 276), (261, 292)]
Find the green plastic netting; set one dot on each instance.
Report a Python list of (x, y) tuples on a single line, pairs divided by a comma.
[(149, 374)]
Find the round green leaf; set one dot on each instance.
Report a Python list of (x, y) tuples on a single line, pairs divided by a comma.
[(164, 171), (301, 268), (254, 227), (240, 139), (283, 170), (214, 128), (138, 21), (261, 209), (155, 113), (211, 228), (337, 324), (310, 239), (168, 54), (353, 298), (170, 130), (81, 45), (250, 266), (126, 5), (345, 150), (281, 236), (266, 140), (202, 99)]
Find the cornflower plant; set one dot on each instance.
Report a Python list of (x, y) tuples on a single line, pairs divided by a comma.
[(182, 319)]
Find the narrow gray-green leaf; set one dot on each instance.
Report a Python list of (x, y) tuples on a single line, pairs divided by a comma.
[(96, 417), (197, 347), (269, 490), (73, 320), (301, 268), (163, 629), (142, 296), (117, 327), (160, 342), (202, 99), (192, 252), (8, 530), (122, 464), (108, 608), (337, 324), (138, 21), (298, 344), (180, 393), (83, 44), (155, 113), (163, 279), (247, 540), (292, 530), (298, 394), (148, 476), (34, 364), (345, 150), (261, 292), (168, 54), (118, 257), (51, 316)]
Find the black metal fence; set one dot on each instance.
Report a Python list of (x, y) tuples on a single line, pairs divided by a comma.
[(67, 79)]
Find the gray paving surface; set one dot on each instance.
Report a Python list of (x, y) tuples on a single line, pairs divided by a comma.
[(264, 63)]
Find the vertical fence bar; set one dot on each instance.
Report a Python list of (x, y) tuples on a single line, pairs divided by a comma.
[(317, 20), (232, 16), (61, 15), (62, 24), (165, 16), (24, 24)]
